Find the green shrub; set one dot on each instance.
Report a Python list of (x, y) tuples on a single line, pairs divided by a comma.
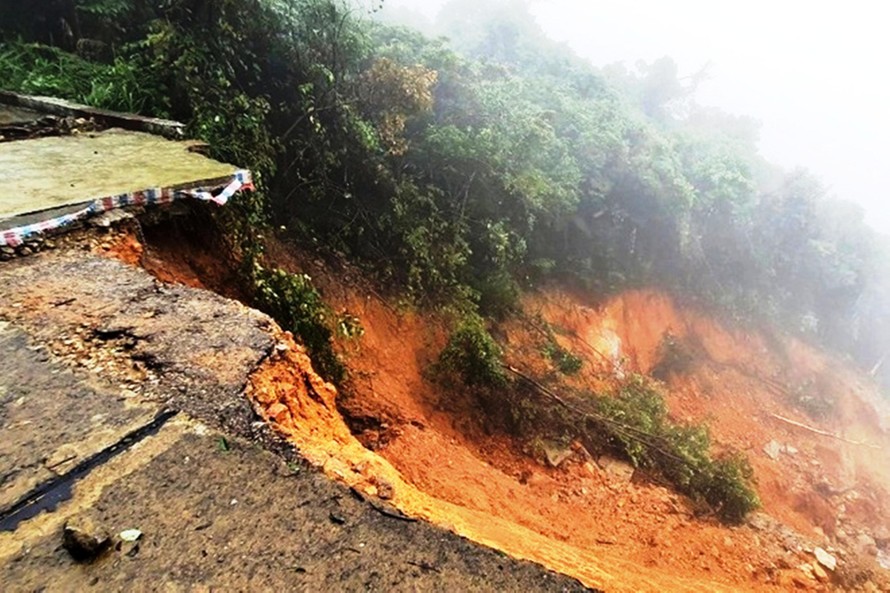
[(498, 295), (298, 307), (566, 362), (473, 356), (725, 485), (637, 424)]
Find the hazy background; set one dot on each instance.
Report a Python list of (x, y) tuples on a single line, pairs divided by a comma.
[(813, 75)]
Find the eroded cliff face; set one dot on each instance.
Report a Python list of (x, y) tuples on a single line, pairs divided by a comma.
[(398, 438)]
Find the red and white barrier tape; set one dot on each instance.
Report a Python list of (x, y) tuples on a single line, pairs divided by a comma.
[(241, 181)]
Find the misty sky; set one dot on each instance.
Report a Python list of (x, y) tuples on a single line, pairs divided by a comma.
[(812, 73)]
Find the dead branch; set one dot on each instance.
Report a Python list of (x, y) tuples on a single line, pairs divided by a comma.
[(821, 432), (623, 430)]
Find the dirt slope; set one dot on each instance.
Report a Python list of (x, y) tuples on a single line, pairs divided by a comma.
[(740, 381), (434, 456)]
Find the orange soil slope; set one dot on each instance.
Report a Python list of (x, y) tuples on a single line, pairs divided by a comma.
[(740, 383), (289, 395), (431, 454), (438, 443)]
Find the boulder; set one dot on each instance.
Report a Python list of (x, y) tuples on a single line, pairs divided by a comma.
[(555, 453)]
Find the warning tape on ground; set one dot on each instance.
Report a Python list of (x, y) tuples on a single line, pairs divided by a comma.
[(241, 180)]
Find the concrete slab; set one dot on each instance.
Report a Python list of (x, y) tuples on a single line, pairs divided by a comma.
[(46, 173), (102, 117), (36, 217)]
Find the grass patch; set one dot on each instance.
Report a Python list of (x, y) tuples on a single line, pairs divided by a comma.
[(120, 85)]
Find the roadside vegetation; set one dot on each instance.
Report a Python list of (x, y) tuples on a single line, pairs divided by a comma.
[(463, 176), (629, 420)]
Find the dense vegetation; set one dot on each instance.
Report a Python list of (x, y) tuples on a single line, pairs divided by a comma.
[(463, 176)]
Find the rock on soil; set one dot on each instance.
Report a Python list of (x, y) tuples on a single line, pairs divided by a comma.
[(621, 471), (772, 449), (825, 559), (84, 540)]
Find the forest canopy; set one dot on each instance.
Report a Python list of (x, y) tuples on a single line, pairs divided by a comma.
[(466, 170)]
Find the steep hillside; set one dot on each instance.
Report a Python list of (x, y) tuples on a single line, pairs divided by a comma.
[(811, 427)]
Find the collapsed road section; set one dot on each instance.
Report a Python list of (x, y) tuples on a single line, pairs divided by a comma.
[(94, 351)]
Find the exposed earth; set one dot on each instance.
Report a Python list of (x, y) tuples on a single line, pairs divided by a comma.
[(402, 447), (822, 479)]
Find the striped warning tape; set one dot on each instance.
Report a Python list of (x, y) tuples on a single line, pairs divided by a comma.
[(241, 181)]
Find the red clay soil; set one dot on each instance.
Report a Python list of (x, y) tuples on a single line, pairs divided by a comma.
[(124, 247), (739, 386), (431, 454), (174, 255)]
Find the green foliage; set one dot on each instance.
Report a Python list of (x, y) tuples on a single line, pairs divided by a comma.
[(473, 356), (41, 70), (567, 362), (498, 295), (298, 307), (458, 176), (726, 484), (639, 427)]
